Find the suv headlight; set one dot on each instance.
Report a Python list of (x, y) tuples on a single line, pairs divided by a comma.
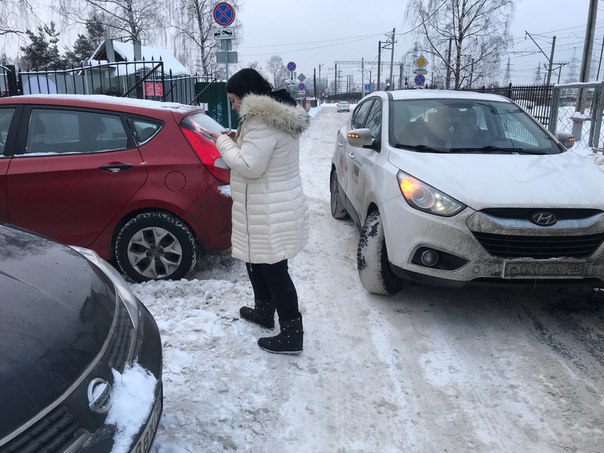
[(426, 198), (125, 294)]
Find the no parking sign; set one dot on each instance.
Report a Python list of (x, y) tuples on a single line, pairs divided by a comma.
[(223, 14)]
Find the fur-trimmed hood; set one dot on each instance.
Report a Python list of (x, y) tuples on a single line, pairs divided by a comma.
[(293, 120)]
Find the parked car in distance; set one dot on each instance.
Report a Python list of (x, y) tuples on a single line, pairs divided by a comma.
[(343, 106), (455, 188), (68, 322), (139, 182)]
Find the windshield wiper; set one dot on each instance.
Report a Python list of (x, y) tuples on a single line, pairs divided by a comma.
[(420, 148), (496, 149)]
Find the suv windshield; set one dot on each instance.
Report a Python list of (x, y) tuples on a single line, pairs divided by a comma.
[(467, 126)]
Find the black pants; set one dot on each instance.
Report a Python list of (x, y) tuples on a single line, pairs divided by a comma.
[(272, 281)]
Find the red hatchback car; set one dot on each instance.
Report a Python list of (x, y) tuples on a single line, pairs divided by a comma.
[(137, 181)]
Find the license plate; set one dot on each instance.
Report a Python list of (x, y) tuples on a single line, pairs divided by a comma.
[(530, 269), (146, 438)]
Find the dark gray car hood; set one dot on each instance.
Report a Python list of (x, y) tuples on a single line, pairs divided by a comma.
[(56, 310)]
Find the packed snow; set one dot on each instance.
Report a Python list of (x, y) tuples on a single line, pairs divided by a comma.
[(359, 386)]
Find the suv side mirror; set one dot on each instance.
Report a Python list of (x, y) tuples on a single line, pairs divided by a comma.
[(360, 138), (567, 140)]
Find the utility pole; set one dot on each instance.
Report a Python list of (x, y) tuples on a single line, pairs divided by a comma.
[(551, 63), (550, 59), (379, 64), (471, 74), (363, 76), (392, 41), (314, 78), (589, 41), (335, 84), (577, 128)]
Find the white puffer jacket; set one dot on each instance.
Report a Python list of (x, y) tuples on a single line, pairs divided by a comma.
[(270, 214)]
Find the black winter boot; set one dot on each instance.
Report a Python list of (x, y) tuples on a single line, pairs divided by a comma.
[(263, 313), (289, 340)]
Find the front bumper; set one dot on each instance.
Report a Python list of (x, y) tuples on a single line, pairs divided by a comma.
[(409, 232)]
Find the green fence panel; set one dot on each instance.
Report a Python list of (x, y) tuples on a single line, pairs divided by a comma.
[(214, 95)]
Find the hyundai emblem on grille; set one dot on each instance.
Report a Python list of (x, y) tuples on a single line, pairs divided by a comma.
[(543, 218), (99, 395)]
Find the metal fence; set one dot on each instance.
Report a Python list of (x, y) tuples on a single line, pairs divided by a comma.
[(574, 108), (534, 98), (137, 79), (577, 109)]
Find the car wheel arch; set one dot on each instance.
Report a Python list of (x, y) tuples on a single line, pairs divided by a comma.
[(372, 258)]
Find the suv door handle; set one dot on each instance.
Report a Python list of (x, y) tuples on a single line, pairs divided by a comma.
[(115, 168)]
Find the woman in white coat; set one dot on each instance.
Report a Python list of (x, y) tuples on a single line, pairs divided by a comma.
[(270, 214)]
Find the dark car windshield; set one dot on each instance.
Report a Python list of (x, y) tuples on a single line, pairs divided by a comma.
[(467, 126)]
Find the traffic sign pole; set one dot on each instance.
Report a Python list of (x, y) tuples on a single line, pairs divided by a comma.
[(224, 15)]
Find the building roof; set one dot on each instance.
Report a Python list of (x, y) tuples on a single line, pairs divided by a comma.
[(125, 52)]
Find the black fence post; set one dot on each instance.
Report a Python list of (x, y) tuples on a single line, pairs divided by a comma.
[(12, 80)]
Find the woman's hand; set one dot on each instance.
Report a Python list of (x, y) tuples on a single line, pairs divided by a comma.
[(231, 134)]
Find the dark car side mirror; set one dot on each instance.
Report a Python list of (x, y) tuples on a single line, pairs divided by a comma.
[(567, 140)]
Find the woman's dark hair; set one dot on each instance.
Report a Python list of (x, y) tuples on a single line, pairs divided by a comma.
[(249, 81)]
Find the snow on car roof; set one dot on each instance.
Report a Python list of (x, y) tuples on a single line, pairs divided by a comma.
[(440, 94), (113, 100)]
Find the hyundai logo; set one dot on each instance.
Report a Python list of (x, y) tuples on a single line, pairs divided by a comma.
[(543, 218), (99, 395)]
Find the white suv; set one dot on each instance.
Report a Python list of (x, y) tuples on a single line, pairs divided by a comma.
[(455, 188)]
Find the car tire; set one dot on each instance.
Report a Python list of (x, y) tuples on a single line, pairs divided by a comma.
[(372, 259), (154, 246), (338, 211)]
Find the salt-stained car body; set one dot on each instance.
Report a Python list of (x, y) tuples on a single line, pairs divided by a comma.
[(139, 182), (455, 188), (68, 321)]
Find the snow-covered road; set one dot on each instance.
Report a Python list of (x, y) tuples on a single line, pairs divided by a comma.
[(429, 370)]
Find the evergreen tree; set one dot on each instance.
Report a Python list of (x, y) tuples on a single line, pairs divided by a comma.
[(86, 44), (42, 52)]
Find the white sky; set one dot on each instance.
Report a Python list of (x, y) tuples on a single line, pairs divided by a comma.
[(317, 32)]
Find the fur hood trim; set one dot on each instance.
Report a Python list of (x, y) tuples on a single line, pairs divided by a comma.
[(293, 120)]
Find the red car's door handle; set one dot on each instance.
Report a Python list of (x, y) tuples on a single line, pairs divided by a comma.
[(115, 168)]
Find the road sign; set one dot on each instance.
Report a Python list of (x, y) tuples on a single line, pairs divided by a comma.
[(223, 14), (224, 33), (301, 77), (421, 62), (221, 57), (420, 80), (291, 66), (301, 86), (420, 71), (367, 87)]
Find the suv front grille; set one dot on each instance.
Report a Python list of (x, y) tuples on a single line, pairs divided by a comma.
[(539, 247), (54, 433)]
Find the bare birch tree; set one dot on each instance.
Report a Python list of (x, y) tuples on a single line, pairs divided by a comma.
[(13, 14), (277, 70), (126, 20), (478, 31)]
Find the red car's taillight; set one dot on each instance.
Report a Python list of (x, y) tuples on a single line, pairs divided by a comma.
[(209, 155)]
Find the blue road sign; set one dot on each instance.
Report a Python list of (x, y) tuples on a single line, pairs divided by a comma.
[(420, 79), (291, 66), (223, 14), (301, 86), (367, 87)]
